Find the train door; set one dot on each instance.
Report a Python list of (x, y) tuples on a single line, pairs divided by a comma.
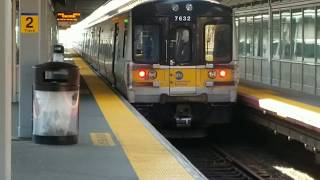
[(95, 49), (182, 70), (99, 49), (115, 54)]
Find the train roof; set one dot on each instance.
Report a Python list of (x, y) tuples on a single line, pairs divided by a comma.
[(165, 9), (115, 7)]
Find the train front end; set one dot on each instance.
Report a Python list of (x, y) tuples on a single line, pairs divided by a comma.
[(182, 62)]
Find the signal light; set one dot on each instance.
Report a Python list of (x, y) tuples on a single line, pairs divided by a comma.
[(142, 73), (223, 73)]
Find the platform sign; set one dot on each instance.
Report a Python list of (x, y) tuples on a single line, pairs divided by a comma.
[(29, 23), (68, 16)]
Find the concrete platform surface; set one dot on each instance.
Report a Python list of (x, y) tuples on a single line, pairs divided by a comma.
[(115, 142), (84, 161)]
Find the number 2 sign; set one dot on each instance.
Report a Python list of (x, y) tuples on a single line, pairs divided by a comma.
[(29, 23)]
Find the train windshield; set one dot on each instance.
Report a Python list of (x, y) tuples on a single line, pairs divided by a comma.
[(146, 43), (183, 46), (218, 43)]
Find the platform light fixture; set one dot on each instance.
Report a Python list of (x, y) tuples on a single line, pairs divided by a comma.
[(309, 12)]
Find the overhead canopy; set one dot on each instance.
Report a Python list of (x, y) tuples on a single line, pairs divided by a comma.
[(236, 3), (86, 7)]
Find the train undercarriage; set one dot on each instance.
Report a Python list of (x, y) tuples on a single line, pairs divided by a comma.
[(177, 120)]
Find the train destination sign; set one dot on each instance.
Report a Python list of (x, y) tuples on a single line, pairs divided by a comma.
[(68, 16)]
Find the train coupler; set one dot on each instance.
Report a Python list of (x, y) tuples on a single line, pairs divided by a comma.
[(183, 116)]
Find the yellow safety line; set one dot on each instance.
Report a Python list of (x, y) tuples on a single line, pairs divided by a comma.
[(269, 94), (148, 157)]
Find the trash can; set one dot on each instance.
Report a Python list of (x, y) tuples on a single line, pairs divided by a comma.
[(58, 53), (56, 103)]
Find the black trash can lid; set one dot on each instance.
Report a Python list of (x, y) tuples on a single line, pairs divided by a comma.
[(58, 48), (56, 66), (56, 76)]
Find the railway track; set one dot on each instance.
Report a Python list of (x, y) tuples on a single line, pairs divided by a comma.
[(216, 164)]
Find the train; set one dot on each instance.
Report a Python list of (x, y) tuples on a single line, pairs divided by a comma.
[(174, 57)]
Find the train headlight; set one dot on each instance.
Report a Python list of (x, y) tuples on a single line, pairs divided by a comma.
[(212, 74), (175, 7), (152, 74), (189, 7)]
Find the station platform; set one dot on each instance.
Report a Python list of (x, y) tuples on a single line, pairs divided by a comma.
[(303, 109), (115, 142), (298, 114)]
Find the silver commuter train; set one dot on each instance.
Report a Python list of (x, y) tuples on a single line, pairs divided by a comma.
[(172, 56)]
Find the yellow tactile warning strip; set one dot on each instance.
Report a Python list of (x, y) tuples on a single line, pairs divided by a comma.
[(284, 107), (148, 157), (102, 139)]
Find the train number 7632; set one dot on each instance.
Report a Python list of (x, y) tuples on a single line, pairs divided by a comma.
[(182, 18)]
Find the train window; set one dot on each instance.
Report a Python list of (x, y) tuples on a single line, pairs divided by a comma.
[(296, 35), (218, 46), (242, 36), (276, 35), (285, 34), (146, 43), (249, 36), (309, 20), (183, 46)]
